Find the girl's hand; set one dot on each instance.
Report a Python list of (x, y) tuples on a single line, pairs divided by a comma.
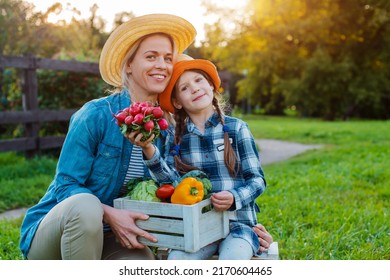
[(122, 223), (222, 201), (265, 238)]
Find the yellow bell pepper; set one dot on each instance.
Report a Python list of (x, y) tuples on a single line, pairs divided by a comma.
[(188, 191)]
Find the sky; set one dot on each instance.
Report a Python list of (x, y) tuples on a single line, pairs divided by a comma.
[(191, 10)]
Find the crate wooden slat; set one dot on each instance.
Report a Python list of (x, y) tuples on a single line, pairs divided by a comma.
[(181, 227)]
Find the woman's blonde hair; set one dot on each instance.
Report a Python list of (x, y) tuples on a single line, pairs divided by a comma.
[(129, 57)]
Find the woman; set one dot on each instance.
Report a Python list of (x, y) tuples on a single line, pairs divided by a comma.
[(75, 218)]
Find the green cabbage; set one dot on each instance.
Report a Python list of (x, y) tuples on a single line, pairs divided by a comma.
[(145, 191)]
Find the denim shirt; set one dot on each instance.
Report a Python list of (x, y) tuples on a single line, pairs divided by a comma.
[(94, 159)]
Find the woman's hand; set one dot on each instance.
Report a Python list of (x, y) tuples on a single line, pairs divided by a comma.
[(122, 223), (147, 146), (222, 201), (265, 238)]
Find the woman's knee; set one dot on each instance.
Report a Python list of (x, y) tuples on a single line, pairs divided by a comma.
[(86, 212)]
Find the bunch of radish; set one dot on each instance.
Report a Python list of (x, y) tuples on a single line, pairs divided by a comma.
[(143, 117)]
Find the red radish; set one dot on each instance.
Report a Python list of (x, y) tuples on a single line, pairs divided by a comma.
[(134, 110), (163, 124), (143, 106), (127, 110), (129, 120), (139, 118), (121, 116), (148, 111), (157, 112), (142, 117), (149, 125)]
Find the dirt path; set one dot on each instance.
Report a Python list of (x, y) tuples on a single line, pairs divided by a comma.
[(275, 150), (270, 151)]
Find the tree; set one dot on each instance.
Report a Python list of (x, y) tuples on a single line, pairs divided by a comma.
[(327, 58), (15, 26)]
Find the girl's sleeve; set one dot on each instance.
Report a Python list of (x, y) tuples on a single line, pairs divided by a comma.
[(253, 174), (161, 166)]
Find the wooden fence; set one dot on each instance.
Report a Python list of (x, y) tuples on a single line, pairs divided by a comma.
[(31, 116)]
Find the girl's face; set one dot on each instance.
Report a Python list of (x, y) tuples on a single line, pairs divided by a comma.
[(194, 93), (151, 68)]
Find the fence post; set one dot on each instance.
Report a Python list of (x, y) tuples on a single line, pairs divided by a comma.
[(30, 101)]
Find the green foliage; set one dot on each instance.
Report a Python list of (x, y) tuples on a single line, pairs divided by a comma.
[(63, 89), (329, 59), (15, 23), (25, 31), (10, 91)]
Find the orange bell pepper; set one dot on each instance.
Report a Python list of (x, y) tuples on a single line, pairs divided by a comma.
[(188, 191)]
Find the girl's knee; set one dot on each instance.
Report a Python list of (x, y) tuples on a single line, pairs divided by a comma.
[(235, 249)]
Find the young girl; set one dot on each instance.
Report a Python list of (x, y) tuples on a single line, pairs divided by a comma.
[(221, 146)]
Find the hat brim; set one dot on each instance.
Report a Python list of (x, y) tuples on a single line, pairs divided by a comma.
[(124, 36), (178, 69)]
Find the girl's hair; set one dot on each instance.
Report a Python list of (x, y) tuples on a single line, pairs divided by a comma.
[(181, 118)]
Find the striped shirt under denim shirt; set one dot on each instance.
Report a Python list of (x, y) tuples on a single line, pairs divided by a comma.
[(207, 153), (135, 170)]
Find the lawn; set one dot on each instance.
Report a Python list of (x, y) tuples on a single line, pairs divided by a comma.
[(331, 203)]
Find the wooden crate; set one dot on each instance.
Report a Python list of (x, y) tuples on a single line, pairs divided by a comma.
[(271, 254), (182, 227)]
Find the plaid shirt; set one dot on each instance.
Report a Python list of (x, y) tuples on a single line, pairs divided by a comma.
[(207, 153)]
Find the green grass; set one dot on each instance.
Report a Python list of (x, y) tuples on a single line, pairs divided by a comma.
[(22, 181), (331, 203), (9, 240)]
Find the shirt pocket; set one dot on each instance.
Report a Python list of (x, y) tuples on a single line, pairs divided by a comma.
[(107, 158), (219, 144)]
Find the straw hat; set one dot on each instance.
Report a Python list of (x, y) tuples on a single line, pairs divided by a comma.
[(124, 36), (186, 63)]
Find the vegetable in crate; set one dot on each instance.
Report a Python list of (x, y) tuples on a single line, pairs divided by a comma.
[(143, 117), (200, 176), (164, 192), (145, 191), (188, 191)]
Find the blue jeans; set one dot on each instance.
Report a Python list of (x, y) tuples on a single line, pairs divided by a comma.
[(230, 248)]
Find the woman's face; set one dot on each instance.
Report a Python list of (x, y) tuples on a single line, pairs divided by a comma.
[(194, 93), (151, 68)]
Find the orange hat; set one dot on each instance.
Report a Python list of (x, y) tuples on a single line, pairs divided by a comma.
[(186, 63)]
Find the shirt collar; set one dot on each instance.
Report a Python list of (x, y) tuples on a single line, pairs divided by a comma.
[(212, 121)]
